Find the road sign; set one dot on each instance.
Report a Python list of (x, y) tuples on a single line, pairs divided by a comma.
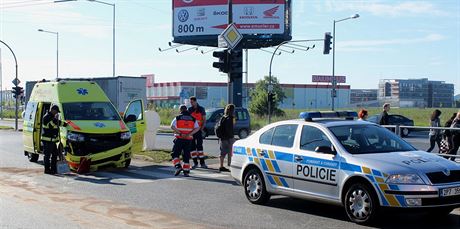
[(16, 81), (232, 36), (221, 43)]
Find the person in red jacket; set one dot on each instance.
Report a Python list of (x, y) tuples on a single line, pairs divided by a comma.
[(184, 126), (199, 113)]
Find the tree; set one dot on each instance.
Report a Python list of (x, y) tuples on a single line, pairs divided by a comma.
[(259, 97)]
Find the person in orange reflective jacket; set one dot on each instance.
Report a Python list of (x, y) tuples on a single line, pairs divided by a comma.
[(184, 126), (199, 113)]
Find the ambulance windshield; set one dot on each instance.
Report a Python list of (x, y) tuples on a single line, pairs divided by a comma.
[(90, 111)]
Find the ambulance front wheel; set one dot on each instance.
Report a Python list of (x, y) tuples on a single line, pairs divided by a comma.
[(254, 187)]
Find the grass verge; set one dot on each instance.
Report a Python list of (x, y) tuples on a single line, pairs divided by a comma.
[(6, 128), (160, 156)]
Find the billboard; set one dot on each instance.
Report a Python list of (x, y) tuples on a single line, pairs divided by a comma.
[(327, 79), (205, 19)]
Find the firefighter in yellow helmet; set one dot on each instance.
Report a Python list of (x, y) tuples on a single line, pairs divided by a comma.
[(50, 137)]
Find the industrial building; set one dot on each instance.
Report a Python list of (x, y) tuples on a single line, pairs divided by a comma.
[(416, 93), (212, 94), (364, 97)]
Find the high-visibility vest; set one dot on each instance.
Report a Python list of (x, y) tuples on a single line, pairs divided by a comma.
[(185, 124), (198, 116), (50, 129)]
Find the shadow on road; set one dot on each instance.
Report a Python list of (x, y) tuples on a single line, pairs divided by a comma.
[(388, 219)]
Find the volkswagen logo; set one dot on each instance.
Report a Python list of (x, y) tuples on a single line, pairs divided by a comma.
[(446, 172), (182, 15)]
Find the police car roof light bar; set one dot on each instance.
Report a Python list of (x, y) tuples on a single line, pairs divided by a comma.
[(309, 116)]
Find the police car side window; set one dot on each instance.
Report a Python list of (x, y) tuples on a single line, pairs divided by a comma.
[(284, 135), (313, 137), (266, 137)]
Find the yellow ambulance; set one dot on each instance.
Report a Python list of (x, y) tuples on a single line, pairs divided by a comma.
[(95, 129)]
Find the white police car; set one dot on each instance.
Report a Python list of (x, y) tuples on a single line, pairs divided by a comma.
[(357, 164)]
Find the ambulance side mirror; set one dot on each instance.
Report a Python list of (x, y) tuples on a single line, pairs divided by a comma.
[(325, 150), (130, 118)]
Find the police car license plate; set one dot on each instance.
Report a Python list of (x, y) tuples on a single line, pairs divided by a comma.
[(455, 191)]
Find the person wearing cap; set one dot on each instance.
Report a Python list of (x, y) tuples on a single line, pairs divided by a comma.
[(184, 127), (50, 137)]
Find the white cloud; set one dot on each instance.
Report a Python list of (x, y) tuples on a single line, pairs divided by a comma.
[(376, 43), (406, 8)]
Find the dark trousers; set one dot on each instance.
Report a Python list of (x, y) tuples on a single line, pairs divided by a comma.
[(197, 148), (51, 152), (181, 146), (455, 145), (434, 139)]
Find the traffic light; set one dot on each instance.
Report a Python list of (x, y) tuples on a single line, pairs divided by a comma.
[(236, 61), (327, 43), (17, 92), (223, 64)]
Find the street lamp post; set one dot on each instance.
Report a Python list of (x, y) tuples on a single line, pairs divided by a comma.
[(15, 84), (57, 49), (113, 27), (270, 85), (334, 80)]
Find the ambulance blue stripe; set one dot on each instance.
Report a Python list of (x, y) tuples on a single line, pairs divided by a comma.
[(239, 150), (393, 187), (264, 165), (371, 178), (382, 196), (254, 152), (285, 184), (401, 200), (376, 173), (350, 167), (272, 181), (320, 162), (284, 156)]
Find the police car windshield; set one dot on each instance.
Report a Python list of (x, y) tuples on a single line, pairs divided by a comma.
[(90, 111), (362, 139)]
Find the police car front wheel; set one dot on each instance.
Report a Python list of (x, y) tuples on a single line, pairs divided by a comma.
[(360, 204), (254, 187)]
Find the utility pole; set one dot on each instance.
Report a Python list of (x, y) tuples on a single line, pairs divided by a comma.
[(235, 73), (1, 86)]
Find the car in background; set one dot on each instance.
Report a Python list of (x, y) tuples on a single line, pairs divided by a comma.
[(394, 119), (242, 126)]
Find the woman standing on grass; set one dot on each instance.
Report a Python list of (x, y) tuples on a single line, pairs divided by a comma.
[(435, 135)]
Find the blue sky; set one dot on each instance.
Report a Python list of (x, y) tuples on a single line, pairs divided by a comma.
[(391, 39)]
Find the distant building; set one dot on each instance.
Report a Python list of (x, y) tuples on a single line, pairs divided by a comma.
[(416, 93), (363, 97), (211, 94)]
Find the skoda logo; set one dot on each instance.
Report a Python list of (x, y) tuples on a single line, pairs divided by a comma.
[(446, 172), (182, 15)]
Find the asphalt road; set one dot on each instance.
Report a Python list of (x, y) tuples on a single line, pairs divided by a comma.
[(147, 195)]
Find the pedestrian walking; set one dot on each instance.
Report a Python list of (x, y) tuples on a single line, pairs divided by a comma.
[(362, 115), (435, 135), (199, 113), (383, 118), (455, 136), (226, 136), (50, 138), (184, 126)]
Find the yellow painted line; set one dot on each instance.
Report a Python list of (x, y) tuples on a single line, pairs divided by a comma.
[(278, 181), (379, 180), (392, 200), (271, 154), (366, 170), (257, 160), (270, 165)]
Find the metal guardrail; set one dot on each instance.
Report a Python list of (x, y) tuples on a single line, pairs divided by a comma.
[(397, 130)]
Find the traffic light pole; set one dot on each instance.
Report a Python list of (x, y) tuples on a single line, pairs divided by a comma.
[(16, 80), (235, 78)]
